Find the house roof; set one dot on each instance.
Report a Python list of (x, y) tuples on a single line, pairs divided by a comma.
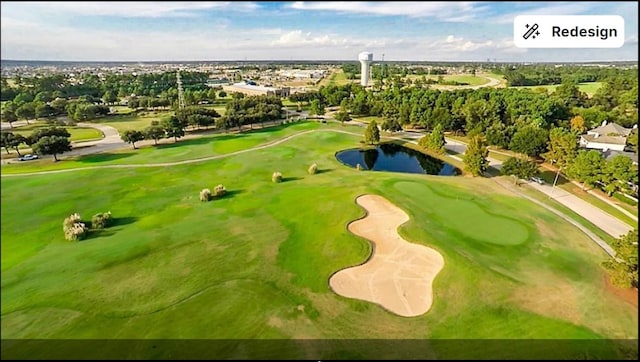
[(611, 128), (613, 140), (609, 154)]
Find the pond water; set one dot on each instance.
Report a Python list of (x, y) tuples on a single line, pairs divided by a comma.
[(396, 158)]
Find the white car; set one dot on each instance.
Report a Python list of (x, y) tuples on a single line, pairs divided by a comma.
[(28, 157), (538, 180)]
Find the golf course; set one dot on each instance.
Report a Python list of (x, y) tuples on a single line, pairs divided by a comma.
[(255, 264)]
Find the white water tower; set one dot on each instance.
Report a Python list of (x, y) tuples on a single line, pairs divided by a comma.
[(365, 59)]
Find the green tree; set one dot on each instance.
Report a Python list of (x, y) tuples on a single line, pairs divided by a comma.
[(342, 117), (617, 173), (26, 111), (436, 139), (563, 147), (154, 132), (316, 108), (372, 133), (132, 136), (475, 157), (529, 140), (43, 110), (624, 270), (49, 131), (52, 145), (173, 127), (11, 140), (587, 167), (9, 113), (632, 140), (109, 97), (520, 168)]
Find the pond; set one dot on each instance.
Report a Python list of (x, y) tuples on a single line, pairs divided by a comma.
[(396, 158)]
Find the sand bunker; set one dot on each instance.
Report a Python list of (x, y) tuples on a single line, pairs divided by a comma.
[(399, 275)]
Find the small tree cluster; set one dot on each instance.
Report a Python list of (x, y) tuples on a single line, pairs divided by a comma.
[(73, 228), (205, 195), (276, 177), (313, 169), (101, 220), (219, 191)]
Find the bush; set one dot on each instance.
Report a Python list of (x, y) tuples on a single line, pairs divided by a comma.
[(219, 191), (277, 177), (101, 220), (73, 228), (205, 195), (313, 169), (358, 167)]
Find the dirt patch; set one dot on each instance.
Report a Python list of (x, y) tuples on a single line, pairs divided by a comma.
[(398, 275), (629, 295)]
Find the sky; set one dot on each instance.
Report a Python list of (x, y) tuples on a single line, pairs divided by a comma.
[(301, 30)]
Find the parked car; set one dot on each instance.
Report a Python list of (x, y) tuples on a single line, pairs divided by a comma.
[(28, 157), (538, 180)]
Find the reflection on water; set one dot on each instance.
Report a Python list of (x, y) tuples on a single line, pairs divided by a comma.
[(396, 158)]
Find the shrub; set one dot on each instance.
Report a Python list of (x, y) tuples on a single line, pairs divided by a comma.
[(313, 169), (358, 167), (219, 191), (73, 228), (101, 220), (205, 195), (277, 177)]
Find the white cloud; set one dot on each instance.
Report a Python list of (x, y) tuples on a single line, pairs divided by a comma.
[(131, 9), (555, 9), (447, 11)]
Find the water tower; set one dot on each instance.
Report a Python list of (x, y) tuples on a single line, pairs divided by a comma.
[(365, 59)]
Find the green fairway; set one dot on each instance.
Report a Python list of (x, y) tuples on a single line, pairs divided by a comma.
[(137, 121), (78, 134), (588, 88), (256, 263)]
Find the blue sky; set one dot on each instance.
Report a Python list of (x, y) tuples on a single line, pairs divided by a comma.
[(156, 31)]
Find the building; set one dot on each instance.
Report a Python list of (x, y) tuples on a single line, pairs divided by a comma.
[(256, 90), (610, 136)]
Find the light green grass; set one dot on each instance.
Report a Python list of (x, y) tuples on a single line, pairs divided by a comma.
[(136, 121), (589, 88), (256, 263), (77, 133)]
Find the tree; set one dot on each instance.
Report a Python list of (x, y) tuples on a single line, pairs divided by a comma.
[(632, 140), (436, 140), (618, 172), (154, 132), (173, 127), (132, 136), (587, 167), (577, 125), (342, 117), (563, 147), (49, 131), (520, 168), (43, 110), (372, 133), (529, 140), (624, 271), (11, 140), (26, 111), (316, 108), (475, 157), (52, 145), (9, 113), (109, 97)]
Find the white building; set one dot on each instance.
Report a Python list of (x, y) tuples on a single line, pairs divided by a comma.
[(610, 136)]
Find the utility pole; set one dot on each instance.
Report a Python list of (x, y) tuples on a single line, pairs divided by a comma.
[(180, 91)]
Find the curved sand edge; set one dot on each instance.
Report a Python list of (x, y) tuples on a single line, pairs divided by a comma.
[(398, 275)]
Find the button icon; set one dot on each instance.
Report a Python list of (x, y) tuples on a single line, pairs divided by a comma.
[(532, 31)]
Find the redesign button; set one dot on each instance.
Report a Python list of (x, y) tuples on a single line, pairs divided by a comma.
[(568, 31)]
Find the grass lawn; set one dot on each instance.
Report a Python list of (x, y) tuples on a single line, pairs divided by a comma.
[(137, 121), (589, 88), (77, 133), (256, 263)]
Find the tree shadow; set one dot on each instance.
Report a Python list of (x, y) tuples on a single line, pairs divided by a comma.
[(287, 179), (191, 142), (549, 176), (104, 157), (229, 194), (229, 137), (119, 221), (94, 234), (325, 170)]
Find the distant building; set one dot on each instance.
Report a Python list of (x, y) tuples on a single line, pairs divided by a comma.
[(256, 90), (610, 136)]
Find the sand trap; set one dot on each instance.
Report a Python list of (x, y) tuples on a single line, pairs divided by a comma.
[(399, 274)]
